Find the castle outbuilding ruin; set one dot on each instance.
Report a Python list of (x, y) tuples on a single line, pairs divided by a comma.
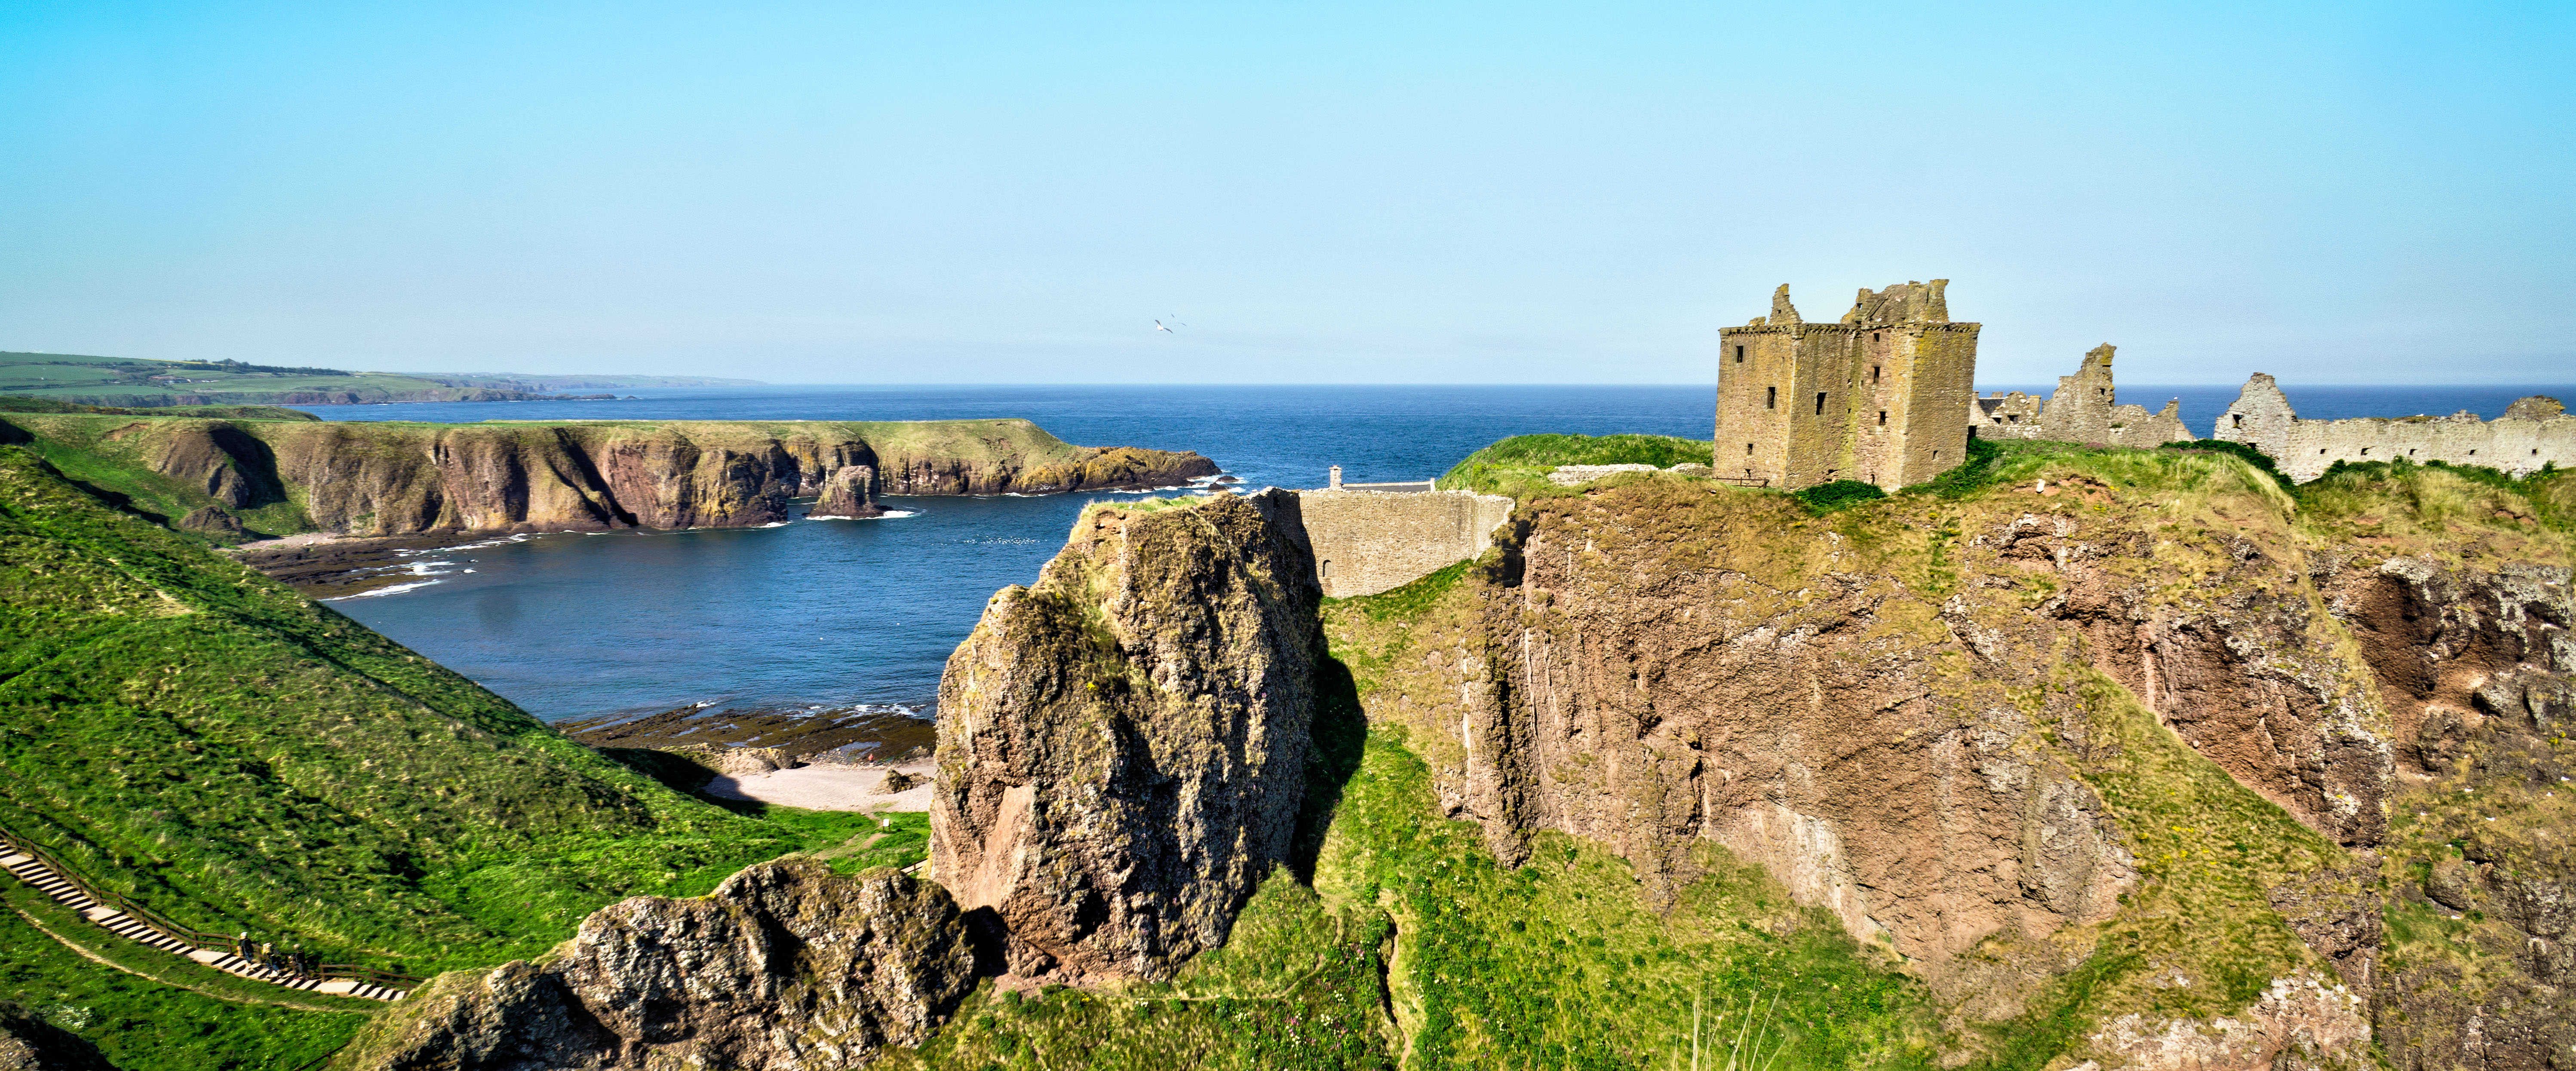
[(1875, 397), (2085, 408), (2533, 432)]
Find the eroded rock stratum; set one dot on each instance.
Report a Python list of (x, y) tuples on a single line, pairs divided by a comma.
[(2149, 754), (784, 965), (1122, 745), (2157, 737)]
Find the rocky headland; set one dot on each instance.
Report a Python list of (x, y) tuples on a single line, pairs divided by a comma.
[(2083, 758), (230, 477)]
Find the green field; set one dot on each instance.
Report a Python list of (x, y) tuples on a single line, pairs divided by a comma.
[(127, 381)]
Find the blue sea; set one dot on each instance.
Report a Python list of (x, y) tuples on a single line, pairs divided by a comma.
[(839, 614)]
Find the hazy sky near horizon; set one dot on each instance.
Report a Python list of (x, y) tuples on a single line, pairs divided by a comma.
[(1489, 192)]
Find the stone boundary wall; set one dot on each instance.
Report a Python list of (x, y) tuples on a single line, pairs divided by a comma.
[(2534, 432), (1369, 541)]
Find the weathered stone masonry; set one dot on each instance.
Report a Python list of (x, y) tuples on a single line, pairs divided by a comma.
[(2085, 408), (1874, 398), (2533, 432), (1369, 541)]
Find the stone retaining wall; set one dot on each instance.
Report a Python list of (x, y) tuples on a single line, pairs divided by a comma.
[(1369, 541)]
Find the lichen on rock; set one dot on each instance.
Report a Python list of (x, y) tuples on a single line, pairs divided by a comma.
[(785, 965), (1122, 745)]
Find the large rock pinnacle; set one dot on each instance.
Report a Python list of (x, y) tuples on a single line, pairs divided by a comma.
[(1122, 746)]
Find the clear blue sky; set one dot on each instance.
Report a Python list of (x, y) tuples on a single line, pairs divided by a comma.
[(1486, 192)]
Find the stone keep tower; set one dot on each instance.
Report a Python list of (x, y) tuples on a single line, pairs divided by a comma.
[(1875, 398)]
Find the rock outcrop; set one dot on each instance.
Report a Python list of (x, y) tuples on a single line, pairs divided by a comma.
[(28, 1043), (1122, 745), (2478, 671), (849, 493), (212, 520), (784, 966), (1920, 739)]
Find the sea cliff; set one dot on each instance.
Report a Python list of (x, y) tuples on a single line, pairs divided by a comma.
[(2103, 758), (244, 478)]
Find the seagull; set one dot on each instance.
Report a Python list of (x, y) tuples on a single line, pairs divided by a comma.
[(1158, 325)]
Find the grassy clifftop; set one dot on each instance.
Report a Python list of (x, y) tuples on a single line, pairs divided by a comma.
[(1521, 463), (248, 477), (129, 381), (182, 730)]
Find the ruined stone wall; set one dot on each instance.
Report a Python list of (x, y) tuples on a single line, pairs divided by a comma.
[(2085, 408), (2535, 431), (1869, 398), (1368, 541)]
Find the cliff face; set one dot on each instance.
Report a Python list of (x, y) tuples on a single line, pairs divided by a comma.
[(2158, 733), (1122, 745), (2478, 672), (403, 479), (784, 965)]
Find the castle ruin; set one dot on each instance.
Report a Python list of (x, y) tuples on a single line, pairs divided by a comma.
[(1876, 397), (2085, 408), (2533, 432)]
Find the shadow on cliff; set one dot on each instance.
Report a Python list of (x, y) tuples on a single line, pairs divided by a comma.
[(1340, 732)]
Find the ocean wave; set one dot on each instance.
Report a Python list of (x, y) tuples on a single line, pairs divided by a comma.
[(889, 515), (503, 541), (396, 589)]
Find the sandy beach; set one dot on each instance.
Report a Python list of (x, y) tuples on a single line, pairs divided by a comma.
[(828, 787)]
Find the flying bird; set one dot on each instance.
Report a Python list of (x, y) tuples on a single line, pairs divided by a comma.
[(1167, 329)]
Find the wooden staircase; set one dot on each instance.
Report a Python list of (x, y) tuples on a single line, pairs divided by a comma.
[(35, 869)]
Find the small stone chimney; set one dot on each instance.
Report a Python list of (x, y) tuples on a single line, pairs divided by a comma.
[(1336, 485)]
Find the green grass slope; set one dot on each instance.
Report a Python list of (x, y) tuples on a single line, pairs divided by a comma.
[(1520, 464), (191, 734)]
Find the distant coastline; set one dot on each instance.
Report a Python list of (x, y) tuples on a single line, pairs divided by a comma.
[(140, 383)]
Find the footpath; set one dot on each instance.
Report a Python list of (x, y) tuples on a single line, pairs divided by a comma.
[(131, 921)]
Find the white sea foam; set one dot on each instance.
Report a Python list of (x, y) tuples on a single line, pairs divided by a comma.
[(503, 541), (396, 589), (889, 515)]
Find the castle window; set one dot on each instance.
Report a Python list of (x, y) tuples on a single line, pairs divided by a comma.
[(2365, 451), (1739, 355), (2239, 418), (2473, 453), (1771, 400), (1882, 418), (1873, 336), (1936, 455), (1324, 568), (1820, 403), (1873, 373), (1748, 449)]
